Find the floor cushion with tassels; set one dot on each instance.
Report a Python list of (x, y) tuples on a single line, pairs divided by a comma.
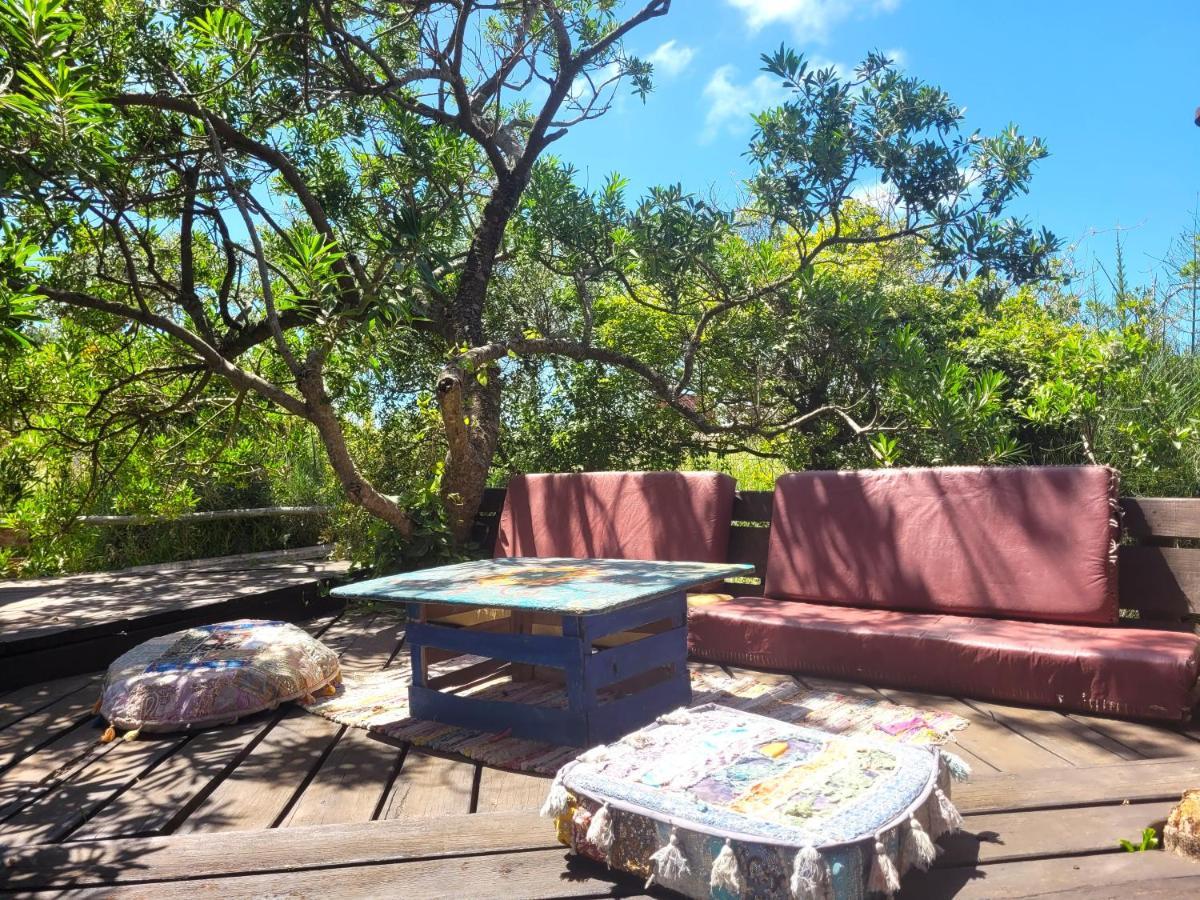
[(713, 802), (213, 675)]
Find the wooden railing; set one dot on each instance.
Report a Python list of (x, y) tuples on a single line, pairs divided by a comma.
[(1159, 562)]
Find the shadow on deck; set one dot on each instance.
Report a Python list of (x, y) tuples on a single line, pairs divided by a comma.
[(330, 810)]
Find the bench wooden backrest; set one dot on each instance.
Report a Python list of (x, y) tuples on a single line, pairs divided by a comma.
[(1159, 562)]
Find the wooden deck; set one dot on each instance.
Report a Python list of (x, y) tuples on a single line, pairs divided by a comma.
[(58, 626), (292, 804)]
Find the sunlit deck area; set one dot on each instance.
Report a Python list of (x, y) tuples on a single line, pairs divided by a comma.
[(289, 803)]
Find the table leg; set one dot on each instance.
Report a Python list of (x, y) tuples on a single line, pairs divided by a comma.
[(420, 667), (581, 695), (521, 623)]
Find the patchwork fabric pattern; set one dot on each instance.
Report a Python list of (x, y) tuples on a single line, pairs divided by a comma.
[(214, 674), (716, 802)]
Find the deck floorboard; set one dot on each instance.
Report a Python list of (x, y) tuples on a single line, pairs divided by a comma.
[(333, 810)]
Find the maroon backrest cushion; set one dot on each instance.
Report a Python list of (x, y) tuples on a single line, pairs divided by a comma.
[(671, 516), (1032, 543)]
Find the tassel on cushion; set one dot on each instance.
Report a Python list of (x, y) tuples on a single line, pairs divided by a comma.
[(725, 873), (598, 754), (668, 862), (558, 801), (943, 817), (810, 876), (920, 851), (133, 735), (600, 832), (110, 734), (680, 716), (885, 879), (957, 766)]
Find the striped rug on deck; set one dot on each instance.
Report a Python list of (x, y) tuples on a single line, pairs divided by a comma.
[(378, 701)]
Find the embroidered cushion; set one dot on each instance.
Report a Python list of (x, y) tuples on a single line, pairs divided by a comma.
[(213, 674), (713, 802)]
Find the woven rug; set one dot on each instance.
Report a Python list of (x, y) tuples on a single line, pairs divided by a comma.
[(378, 701)]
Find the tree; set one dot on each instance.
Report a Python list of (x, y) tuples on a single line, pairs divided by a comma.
[(283, 190), (265, 175), (728, 316)]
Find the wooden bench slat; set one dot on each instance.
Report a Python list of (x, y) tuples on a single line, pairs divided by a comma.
[(1160, 582), (1163, 517)]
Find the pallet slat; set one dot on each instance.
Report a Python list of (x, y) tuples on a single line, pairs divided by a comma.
[(1160, 582), (1164, 517)]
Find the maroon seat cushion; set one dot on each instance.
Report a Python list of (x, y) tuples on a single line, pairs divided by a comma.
[(671, 516), (1137, 673), (1032, 543)]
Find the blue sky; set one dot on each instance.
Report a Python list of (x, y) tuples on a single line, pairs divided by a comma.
[(1110, 86)]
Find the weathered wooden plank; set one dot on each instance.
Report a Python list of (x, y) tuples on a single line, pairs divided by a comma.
[(1150, 741), (1058, 733), (1165, 517), (24, 701), (493, 500), (1107, 875), (350, 785), (503, 791), (1011, 836), (25, 736), (752, 506), (748, 544), (102, 862), (257, 793), (1137, 782), (44, 770), (986, 738), (372, 643), (39, 613), (1160, 582), (178, 784), (535, 874), (429, 786), (61, 811)]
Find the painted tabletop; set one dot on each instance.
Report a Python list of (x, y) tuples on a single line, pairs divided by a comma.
[(567, 586)]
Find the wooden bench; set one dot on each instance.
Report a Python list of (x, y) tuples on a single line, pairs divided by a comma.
[(1159, 555)]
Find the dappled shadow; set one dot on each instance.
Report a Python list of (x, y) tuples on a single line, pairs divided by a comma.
[(669, 516), (1023, 542), (71, 866), (104, 601), (543, 584)]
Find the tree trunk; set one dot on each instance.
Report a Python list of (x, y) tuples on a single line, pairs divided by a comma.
[(470, 401), (471, 418)]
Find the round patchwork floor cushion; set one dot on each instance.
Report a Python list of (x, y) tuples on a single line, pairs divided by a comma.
[(213, 674), (715, 802)]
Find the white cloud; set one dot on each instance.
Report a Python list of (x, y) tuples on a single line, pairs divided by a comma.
[(582, 88), (671, 58), (879, 196), (811, 18), (731, 105)]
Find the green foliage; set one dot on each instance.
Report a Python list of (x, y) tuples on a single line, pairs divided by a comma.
[(871, 303), (1149, 841)]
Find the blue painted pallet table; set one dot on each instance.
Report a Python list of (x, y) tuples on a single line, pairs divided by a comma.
[(610, 690)]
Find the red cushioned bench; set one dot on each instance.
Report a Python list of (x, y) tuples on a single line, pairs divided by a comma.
[(997, 583)]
